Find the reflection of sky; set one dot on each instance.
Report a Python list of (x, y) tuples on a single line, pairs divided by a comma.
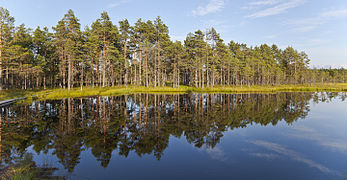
[(319, 141), (47, 160), (216, 153), (322, 139), (268, 156), (311, 148), (292, 155)]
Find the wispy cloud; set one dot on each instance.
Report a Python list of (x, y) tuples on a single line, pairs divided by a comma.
[(335, 13), (215, 153), (212, 7), (118, 3), (265, 2), (268, 156), (293, 155), (279, 8), (259, 4), (311, 23), (322, 139)]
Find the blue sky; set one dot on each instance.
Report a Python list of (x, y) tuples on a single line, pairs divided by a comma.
[(318, 27)]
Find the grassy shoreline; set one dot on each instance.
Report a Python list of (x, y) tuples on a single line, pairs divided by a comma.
[(123, 90)]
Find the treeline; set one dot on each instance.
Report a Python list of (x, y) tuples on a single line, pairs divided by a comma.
[(105, 54)]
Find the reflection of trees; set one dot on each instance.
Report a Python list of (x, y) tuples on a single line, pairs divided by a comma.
[(140, 123)]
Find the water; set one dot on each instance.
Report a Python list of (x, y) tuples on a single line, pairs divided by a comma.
[(195, 136)]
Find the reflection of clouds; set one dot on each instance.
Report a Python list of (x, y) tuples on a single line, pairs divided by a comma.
[(292, 154), (307, 133), (215, 153), (268, 156)]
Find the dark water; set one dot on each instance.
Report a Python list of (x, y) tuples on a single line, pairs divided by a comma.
[(196, 136)]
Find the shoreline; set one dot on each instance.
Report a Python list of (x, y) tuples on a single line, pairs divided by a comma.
[(55, 94), (122, 90)]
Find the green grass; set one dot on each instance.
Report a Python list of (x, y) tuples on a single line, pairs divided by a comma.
[(107, 91), (123, 90), (11, 94), (281, 88)]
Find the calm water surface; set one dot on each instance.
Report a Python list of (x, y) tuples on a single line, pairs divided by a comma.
[(192, 136)]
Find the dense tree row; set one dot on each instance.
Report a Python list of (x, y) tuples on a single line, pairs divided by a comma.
[(140, 123), (105, 54)]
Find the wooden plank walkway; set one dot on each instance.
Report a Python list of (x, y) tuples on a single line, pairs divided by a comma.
[(9, 101)]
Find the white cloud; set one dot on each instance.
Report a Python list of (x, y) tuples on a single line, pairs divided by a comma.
[(118, 3), (268, 156), (309, 24), (215, 153), (212, 7), (264, 2), (322, 139), (305, 28), (278, 9), (293, 155), (337, 13), (258, 4)]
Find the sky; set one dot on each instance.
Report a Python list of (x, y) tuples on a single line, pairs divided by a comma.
[(318, 27)]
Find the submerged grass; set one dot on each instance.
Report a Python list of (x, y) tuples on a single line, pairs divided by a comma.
[(127, 90), (27, 171)]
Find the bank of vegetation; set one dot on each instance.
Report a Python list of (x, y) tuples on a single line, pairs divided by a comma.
[(127, 90), (106, 55)]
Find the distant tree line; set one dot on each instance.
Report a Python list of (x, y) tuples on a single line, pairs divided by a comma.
[(142, 54)]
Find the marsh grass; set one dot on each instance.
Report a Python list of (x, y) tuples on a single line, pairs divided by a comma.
[(127, 90), (12, 94)]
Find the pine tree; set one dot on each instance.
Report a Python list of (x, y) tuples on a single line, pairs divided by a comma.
[(162, 38), (6, 31), (67, 40), (125, 30)]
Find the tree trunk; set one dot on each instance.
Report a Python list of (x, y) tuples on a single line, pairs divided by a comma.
[(104, 62), (140, 61), (159, 70), (69, 73), (125, 63), (1, 56)]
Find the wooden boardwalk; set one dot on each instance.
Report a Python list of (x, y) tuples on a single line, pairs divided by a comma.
[(9, 101)]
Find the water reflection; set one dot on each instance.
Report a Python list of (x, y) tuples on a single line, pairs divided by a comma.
[(143, 123), (279, 149)]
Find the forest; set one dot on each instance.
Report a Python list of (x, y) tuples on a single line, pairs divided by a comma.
[(107, 54)]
